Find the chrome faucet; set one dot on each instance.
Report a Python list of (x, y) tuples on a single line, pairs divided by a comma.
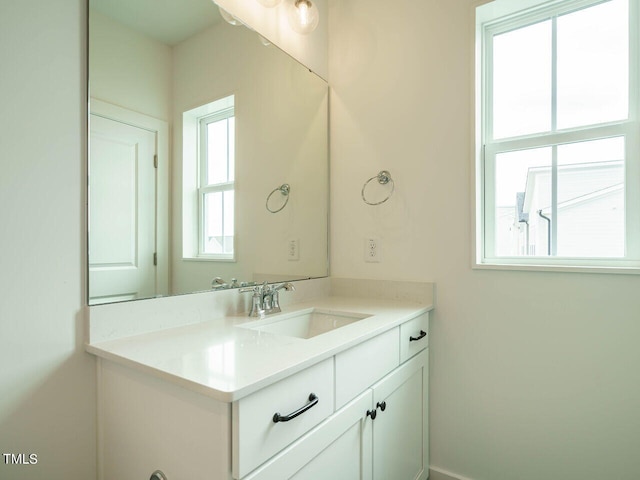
[(266, 298), (256, 300)]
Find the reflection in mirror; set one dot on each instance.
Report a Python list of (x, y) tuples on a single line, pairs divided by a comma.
[(194, 123)]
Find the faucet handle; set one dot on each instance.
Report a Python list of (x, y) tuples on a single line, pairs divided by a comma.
[(288, 286), (275, 297)]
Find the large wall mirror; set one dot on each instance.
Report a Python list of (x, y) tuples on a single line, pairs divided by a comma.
[(208, 154)]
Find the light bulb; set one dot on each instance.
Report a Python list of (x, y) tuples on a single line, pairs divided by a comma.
[(269, 3), (230, 19), (303, 16), (264, 41)]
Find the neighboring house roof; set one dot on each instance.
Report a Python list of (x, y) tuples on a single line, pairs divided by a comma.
[(580, 182)]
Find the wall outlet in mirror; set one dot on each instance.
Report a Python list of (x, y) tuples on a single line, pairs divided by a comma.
[(293, 249), (372, 250)]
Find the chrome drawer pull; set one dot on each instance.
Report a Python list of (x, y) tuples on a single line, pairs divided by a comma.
[(422, 335), (313, 400)]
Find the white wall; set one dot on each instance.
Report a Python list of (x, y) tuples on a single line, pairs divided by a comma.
[(129, 69), (47, 381), (533, 375)]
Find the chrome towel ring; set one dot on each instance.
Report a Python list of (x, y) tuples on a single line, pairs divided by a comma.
[(384, 177), (284, 190)]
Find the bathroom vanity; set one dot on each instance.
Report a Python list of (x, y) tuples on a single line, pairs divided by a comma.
[(237, 398), (333, 387)]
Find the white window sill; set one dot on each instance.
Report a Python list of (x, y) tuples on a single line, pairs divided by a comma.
[(624, 270), (209, 258)]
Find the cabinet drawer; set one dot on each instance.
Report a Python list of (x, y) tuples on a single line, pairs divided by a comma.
[(256, 437), (414, 336), (338, 448), (361, 366)]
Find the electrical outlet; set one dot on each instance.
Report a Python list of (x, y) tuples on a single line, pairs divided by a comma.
[(372, 251), (293, 249)]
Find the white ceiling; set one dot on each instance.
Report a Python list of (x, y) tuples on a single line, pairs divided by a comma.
[(168, 21)]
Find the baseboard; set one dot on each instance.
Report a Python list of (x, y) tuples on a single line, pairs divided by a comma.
[(436, 473)]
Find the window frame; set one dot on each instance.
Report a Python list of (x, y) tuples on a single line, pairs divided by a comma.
[(487, 148), (205, 188)]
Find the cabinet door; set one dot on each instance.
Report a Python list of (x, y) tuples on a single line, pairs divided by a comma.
[(339, 461), (337, 449), (400, 430)]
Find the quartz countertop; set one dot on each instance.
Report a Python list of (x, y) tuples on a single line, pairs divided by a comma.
[(226, 361)]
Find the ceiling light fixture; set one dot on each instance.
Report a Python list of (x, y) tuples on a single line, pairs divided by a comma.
[(230, 19), (303, 16), (264, 41)]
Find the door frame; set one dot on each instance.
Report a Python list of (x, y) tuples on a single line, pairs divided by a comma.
[(161, 129)]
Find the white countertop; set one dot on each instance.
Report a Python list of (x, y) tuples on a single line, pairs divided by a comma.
[(220, 359)]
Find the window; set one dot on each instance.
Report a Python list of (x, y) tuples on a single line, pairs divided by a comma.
[(208, 181), (558, 167), (216, 183)]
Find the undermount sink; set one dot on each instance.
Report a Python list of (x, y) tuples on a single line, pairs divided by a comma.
[(306, 323)]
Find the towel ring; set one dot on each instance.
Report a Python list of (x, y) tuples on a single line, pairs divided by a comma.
[(284, 189), (383, 178)]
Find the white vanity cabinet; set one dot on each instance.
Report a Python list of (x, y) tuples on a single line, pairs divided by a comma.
[(354, 444), (363, 416)]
